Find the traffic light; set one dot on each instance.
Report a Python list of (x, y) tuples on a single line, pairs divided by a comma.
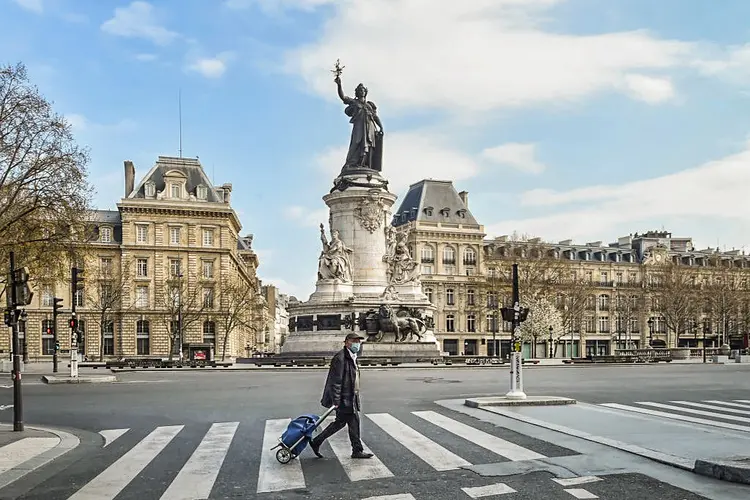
[(49, 331), (56, 305), (23, 293), (57, 345), (73, 323), (7, 316), (509, 314), (76, 278)]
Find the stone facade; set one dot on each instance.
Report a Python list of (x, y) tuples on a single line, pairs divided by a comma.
[(171, 256), (278, 318), (459, 269)]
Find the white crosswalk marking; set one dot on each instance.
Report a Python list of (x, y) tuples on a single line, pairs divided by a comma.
[(273, 475), (488, 490), (712, 407), (357, 469), (197, 477), (488, 441), (426, 449), (575, 481), (676, 416), (400, 496), (729, 403), (110, 435), (581, 494), (696, 412), (14, 454), (117, 476)]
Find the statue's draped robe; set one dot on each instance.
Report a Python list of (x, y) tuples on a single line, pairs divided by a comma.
[(362, 142)]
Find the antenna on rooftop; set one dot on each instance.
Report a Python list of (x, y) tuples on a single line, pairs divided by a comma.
[(179, 108)]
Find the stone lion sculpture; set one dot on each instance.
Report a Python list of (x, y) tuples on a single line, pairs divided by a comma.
[(400, 326)]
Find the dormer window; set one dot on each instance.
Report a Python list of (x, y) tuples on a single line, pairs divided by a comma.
[(462, 213), (202, 192), (175, 190), (427, 211), (150, 189), (106, 234), (445, 212)]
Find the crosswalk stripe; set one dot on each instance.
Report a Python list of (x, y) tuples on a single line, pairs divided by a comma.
[(197, 477), (357, 469), (575, 481), (743, 400), (696, 412), (488, 441), (426, 449), (488, 490), (400, 496), (675, 416), (273, 475), (14, 454), (712, 407), (728, 403), (581, 494), (110, 435), (117, 476)]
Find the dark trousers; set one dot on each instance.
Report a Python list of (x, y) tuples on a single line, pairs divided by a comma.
[(343, 418)]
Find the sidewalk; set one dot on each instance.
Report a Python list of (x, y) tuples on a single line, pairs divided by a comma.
[(41, 372), (23, 452), (716, 452)]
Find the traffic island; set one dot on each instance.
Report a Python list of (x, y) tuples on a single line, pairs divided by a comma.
[(735, 471), (528, 401), (81, 379)]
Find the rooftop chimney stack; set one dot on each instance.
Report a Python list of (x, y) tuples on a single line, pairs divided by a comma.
[(129, 177), (464, 195)]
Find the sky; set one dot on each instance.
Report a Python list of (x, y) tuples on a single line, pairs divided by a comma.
[(563, 119)]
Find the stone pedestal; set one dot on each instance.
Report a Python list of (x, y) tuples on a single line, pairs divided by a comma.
[(360, 212)]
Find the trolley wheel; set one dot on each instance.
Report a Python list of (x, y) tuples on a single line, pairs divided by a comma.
[(284, 456)]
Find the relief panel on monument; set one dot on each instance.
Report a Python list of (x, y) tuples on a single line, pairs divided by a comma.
[(369, 213), (329, 322), (305, 323)]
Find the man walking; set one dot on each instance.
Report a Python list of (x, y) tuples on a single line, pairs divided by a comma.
[(342, 391)]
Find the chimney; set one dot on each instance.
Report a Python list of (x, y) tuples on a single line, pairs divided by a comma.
[(129, 177), (464, 195), (227, 192)]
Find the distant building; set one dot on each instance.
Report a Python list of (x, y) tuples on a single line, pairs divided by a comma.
[(161, 271), (278, 320)]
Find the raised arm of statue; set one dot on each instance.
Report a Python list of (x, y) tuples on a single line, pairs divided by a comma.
[(344, 98), (323, 238)]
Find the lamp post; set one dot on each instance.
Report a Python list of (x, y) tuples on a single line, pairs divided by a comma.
[(650, 332), (550, 342), (495, 324), (705, 330)]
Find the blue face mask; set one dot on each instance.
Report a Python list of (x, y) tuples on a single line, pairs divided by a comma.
[(354, 348)]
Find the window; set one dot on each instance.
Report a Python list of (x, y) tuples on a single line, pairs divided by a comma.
[(109, 338), (427, 254), (141, 296), (175, 269), (174, 296), (150, 189), (589, 325), (208, 237), (589, 276), (449, 297), (426, 269), (471, 323), (141, 233), (492, 299), (470, 257), (604, 277), (47, 296), (428, 292), (106, 267), (80, 298), (175, 190), (632, 277), (142, 338), (603, 301), (48, 340), (174, 235), (208, 297), (141, 268), (470, 299), (450, 323), (202, 192), (209, 333), (208, 269), (106, 235), (603, 324), (618, 278), (449, 255), (491, 323), (449, 269), (634, 328)]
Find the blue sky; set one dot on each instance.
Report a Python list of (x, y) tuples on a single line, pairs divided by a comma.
[(582, 119)]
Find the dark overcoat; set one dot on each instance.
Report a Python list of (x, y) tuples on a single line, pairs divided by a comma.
[(339, 388)]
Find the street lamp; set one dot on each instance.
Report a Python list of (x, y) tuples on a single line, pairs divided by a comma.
[(650, 332), (550, 341), (705, 330)]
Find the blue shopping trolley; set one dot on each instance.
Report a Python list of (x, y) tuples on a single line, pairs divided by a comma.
[(297, 436)]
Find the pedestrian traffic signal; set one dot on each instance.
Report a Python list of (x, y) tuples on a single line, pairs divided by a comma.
[(73, 323), (56, 305), (76, 278), (57, 345), (49, 331), (8, 318)]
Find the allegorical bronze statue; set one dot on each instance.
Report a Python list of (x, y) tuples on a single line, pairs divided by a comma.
[(366, 144)]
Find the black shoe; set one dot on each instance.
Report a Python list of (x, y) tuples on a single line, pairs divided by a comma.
[(316, 448), (361, 454)]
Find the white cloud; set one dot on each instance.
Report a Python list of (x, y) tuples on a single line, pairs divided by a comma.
[(146, 57), (649, 89), (477, 56), (515, 155), (715, 192), (211, 67), (276, 5), (300, 291), (81, 125), (32, 5), (138, 20), (305, 216)]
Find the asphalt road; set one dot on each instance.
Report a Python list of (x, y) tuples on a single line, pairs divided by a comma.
[(175, 428)]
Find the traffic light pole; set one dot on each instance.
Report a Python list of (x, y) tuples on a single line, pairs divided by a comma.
[(55, 309), (73, 325), (516, 361), (16, 373)]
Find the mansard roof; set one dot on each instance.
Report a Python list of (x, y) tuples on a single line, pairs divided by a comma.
[(191, 168), (432, 200)]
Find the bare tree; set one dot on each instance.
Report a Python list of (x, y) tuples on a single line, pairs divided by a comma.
[(675, 296), (575, 297), (44, 193), (106, 303), (723, 298), (181, 303), (239, 305), (626, 309)]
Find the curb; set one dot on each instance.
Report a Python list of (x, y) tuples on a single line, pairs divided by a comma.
[(529, 401), (657, 456), (724, 470), (68, 442), (85, 379)]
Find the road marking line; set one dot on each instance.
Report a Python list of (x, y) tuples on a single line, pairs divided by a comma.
[(489, 490), (117, 476), (743, 400), (674, 416), (400, 496), (581, 493), (696, 412), (728, 403), (712, 407), (14, 454), (110, 435), (6, 407), (274, 476), (357, 469), (196, 479), (428, 450), (575, 481), (487, 441)]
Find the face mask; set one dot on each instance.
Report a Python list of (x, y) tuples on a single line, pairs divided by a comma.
[(354, 348)]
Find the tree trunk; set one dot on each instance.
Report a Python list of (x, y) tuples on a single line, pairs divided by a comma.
[(224, 345)]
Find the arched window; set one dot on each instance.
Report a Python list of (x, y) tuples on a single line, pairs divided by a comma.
[(603, 301), (142, 337), (450, 298), (209, 333), (470, 257), (450, 323), (428, 292), (449, 255), (427, 255)]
